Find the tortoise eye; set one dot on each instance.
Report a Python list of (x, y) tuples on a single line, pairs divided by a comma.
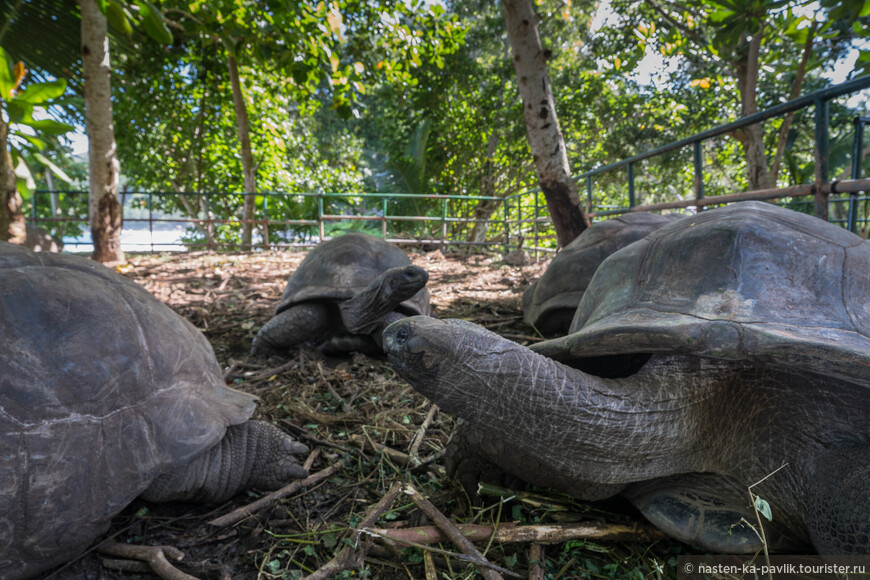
[(402, 334)]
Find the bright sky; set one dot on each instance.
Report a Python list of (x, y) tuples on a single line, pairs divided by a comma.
[(654, 68)]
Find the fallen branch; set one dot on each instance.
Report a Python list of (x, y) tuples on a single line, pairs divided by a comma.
[(243, 512), (449, 529), (155, 556), (536, 560), (512, 533), (349, 557)]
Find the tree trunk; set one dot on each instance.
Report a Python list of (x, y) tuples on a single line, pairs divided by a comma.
[(104, 168), (248, 169), (12, 225), (545, 137), (795, 93), (746, 72)]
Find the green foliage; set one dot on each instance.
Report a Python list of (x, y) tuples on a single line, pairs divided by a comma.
[(28, 137)]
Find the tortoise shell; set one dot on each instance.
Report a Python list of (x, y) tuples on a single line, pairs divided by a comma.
[(550, 302), (102, 388), (339, 268), (750, 281)]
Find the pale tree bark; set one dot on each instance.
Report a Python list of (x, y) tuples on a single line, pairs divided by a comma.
[(12, 224), (249, 170), (746, 72), (544, 134), (104, 169)]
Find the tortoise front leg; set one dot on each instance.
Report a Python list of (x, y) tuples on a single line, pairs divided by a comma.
[(838, 502), (309, 321), (253, 454)]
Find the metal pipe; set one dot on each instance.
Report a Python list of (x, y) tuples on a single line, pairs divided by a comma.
[(760, 194), (787, 107)]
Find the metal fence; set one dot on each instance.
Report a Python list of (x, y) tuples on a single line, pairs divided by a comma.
[(519, 220)]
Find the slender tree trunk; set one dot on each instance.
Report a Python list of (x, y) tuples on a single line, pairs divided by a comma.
[(795, 93), (103, 206), (248, 168), (12, 224), (753, 143), (545, 137), (486, 207)]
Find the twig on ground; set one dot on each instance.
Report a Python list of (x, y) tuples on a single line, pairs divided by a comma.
[(454, 534), (511, 533), (348, 556), (447, 554), (421, 434), (155, 556), (243, 512), (536, 560), (429, 566)]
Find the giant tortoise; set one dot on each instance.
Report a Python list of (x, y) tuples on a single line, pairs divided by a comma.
[(105, 395), (550, 302), (701, 360), (343, 295)]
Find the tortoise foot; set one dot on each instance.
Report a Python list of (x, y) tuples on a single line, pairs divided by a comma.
[(838, 507)]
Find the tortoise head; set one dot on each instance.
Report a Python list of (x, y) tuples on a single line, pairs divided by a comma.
[(364, 313)]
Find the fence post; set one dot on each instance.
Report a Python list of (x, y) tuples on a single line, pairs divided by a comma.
[(631, 184), (588, 194), (151, 220), (699, 172), (856, 172), (443, 223), (537, 241), (821, 207), (320, 215), (386, 205), (266, 244), (507, 231), (208, 224)]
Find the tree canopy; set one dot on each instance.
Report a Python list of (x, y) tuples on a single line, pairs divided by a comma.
[(353, 96)]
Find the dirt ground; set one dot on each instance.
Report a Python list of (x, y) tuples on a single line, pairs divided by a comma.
[(353, 411)]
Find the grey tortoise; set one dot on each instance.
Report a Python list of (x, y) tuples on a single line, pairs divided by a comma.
[(107, 395), (700, 360), (342, 296), (550, 301)]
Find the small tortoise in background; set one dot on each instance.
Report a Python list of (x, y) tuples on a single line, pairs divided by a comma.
[(700, 360), (550, 302), (343, 295), (107, 395)]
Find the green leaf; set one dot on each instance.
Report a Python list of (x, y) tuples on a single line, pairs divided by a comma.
[(26, 183), (39, 93), (103, 5), (7, 79), (50, 127), (118, 20), (20, 112), (36, 142), (60, 173), (763, 508), (152, 20), (721, 15)]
